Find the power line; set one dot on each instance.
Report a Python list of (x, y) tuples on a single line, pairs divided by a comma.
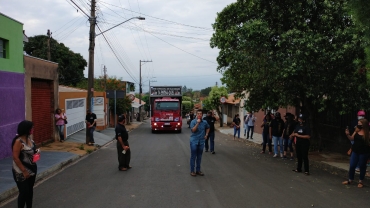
[(204, 28), (80, 8)]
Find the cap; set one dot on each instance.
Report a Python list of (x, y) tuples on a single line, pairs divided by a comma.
[(361, 113), (121, 118), (301, 116)]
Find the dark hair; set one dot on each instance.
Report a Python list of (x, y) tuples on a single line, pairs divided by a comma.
[(199, 110), (56, 111), (121, 118), (23, 129)]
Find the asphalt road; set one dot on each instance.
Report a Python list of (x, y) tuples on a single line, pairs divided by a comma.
[(236, 176)]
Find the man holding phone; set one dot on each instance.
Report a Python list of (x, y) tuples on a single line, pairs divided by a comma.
[(199, 132)]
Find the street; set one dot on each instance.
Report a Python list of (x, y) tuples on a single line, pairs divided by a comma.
[(236, 176)]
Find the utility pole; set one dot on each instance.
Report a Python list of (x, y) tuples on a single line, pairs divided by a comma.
[(49, 53), (150, 106), (141, 90), (90, 85), (105, 78)]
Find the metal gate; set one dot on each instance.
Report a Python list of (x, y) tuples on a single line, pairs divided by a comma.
[(76, 114), (42, 110)]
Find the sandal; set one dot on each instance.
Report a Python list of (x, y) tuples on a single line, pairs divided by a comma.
[(360, 184), (346, 182), (297, 171), (193, 174)]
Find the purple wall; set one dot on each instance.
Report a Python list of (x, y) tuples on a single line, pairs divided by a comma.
[(12, 109)]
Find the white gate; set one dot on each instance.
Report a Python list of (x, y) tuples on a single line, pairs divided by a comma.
[(98, 109), (76, 114)]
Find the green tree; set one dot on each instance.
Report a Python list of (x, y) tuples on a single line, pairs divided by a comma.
[(290, 53), (205, 92), (187, 106), (70, 65), (186, 98), (145, 98), (213, 100)]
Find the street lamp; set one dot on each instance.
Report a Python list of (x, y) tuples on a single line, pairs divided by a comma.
[(92, 36), (139, 18)]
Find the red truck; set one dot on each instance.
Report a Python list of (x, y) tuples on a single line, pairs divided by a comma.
[(165, 108)]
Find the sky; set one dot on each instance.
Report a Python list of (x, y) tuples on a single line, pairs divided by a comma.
[(175, 36)]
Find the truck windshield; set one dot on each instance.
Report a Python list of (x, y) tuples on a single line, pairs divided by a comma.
[(167, 105)]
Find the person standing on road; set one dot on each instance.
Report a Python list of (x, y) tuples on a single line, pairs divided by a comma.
[(236, 124), (199, 132), (265, 134), (91, 124), (211, 135), (24, 166), (289, 127), (276, 132), (123, 147), (360, 151), (250, 120), (60, 120), (191, 116), (302, 134)]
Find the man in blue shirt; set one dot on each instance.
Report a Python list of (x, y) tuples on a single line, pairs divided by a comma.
[(199, 132)]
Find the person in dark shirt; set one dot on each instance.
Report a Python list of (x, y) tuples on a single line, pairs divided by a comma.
[(191, 116), (302, 134), (123, 147), (211, 135), (265, 134), (360, 151), (289, 127), (276, 133), (90, 120), (236, 124)]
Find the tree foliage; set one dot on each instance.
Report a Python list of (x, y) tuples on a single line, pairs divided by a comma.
[(70, 65), (300, 53), (213, 100), (205, 92)]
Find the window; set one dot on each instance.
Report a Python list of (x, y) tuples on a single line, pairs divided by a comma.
[(167, 105), (3, 48)]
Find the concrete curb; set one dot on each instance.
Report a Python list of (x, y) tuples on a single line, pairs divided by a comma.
[(40, 177), (53, 170), (313, 163)]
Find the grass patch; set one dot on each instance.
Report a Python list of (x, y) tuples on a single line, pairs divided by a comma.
[(81, 147), (89, 151)]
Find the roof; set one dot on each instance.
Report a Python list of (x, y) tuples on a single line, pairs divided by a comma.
[(63, 88), (137, 100), (231, 99)]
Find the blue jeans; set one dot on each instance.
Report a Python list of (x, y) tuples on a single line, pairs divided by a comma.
[(61, 131), (277, 140), (196, 150), (361, 160), (211, 137), (236, 130), (91, 134)]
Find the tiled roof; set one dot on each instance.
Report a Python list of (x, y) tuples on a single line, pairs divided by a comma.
[(63, 88), (231, 99)]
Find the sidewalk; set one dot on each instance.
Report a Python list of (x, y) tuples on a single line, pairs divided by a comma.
[(55, 156), (334, 163)]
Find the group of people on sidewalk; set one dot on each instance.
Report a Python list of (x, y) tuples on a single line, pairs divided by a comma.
[(61, 121)]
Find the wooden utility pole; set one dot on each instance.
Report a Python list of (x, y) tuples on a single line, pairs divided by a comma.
[(141, 90), (90, 85), (49, 37)]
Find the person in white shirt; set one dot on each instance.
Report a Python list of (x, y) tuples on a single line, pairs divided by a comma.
[(250, 120)]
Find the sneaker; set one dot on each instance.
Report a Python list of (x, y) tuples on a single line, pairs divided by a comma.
[(357, 170), (281, 155), (275, 155), (213, 152), (262, 152)]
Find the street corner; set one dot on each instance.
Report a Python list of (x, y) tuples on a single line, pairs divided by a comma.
[(133, 126), (80, 149)]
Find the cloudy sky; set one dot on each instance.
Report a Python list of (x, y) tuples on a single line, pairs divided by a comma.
[(174, 36)]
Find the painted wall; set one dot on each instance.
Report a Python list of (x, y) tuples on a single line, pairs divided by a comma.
[(13, 35), (12, 102), (12, 94)]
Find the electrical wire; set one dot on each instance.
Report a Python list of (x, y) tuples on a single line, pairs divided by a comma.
[(80, 8), (204, 28)]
